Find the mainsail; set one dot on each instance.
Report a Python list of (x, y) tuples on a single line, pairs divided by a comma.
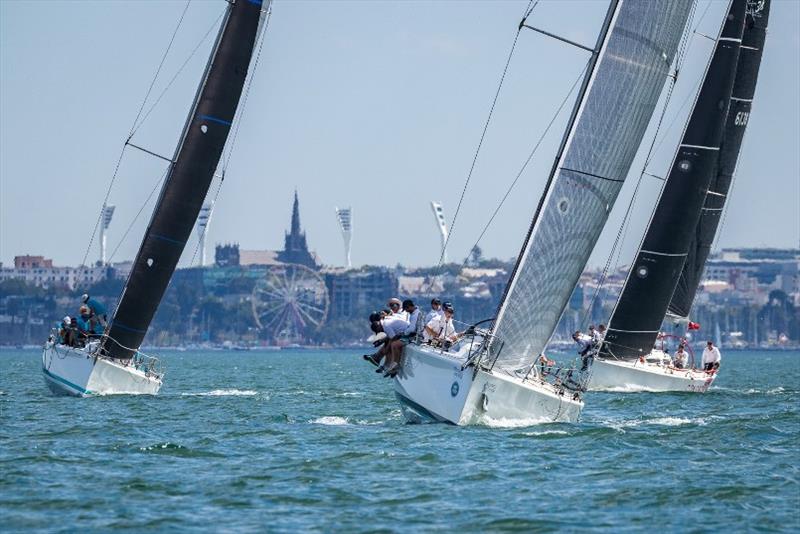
[(634, 55), (640, 310), (189, 177), (744, 87)]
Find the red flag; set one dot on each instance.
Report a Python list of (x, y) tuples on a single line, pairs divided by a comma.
[(694, 326)]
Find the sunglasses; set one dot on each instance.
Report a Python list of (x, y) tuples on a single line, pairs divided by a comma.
[(395, 305)]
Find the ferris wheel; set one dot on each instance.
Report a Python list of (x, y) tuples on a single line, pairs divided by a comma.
[(289, 302)]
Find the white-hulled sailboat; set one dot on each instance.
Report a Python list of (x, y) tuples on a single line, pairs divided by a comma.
[(669, 265), (112, 363), (491, 374)]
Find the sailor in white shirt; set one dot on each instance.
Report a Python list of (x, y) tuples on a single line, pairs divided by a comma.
[(681, 358), (440, 329), (436, 311), (395, 304), (711, 357)]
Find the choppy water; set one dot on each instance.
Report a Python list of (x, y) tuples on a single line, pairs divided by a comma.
[(300, 440)]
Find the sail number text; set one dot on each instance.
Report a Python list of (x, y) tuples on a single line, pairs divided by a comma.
[(741, 118)]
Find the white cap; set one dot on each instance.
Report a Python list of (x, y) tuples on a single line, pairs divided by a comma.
[(66, 319)]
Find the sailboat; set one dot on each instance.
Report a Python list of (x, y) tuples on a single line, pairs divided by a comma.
[(491, 373), (666, 272), (112, 363)]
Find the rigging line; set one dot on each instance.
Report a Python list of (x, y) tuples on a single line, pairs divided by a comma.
[(242, 107), (238, 121), (158, 70), (124, 146), (177, 73), (619, 241), (141, 209), (480, 143), (530, 157), (105, 203)]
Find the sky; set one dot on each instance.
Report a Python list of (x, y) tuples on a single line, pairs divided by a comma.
[(378, 106)]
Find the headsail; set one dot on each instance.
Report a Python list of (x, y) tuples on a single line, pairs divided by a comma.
[(744, 87), (640, 310), (634, 56), (188, 179)]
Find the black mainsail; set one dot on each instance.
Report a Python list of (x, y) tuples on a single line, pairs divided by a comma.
[(189, 177), (642, 305), (744, 88), (633, 59)]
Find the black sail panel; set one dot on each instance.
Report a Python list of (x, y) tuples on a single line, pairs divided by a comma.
[(640, 310), (744, 87), (188, 179)]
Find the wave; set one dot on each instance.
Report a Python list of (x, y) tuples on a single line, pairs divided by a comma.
[(330, 420), (657, 421), (223, 393), (502, 422)]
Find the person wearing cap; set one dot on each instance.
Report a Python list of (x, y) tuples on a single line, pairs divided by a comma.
[(711, 357), (66, 333), (396, 305), (436, 310), (96, 307), (88, 324), (440, 330), (598, 335)]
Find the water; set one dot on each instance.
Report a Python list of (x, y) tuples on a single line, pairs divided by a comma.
[(299, 440)]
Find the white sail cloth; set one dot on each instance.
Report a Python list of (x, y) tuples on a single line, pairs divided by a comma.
[(633, 65)]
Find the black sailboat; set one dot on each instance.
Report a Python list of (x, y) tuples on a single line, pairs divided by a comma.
[(654, 274), (744, 88), (188, 179), (113, 364)]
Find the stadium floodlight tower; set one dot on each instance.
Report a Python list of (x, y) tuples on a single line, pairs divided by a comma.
[(203, 220), (438, 212), (345, 218), (105, 221)]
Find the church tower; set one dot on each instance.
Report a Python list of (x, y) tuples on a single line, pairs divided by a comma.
[(295, 248)]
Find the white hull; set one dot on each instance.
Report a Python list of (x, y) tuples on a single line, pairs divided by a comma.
[(432, 386), (76, 371), (617, 375)]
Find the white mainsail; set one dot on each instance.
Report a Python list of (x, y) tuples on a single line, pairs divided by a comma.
[(633, 63)]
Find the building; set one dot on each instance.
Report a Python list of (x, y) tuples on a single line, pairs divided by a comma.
[(356, 293), (295, 248), (39, 271)]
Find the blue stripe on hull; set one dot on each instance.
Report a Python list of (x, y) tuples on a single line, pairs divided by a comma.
[(65, 382)]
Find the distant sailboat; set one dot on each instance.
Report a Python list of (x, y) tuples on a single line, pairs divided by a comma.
[(491, 374), (112, 363), (667, 270)]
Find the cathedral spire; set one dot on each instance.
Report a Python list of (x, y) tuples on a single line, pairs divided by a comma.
[(295, 229)]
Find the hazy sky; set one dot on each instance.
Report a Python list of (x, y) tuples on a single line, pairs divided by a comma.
[(374, 105)]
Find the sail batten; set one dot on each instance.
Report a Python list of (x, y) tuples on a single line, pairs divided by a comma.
[(744, 87), (654, 274), (636, 48), (188, 179)]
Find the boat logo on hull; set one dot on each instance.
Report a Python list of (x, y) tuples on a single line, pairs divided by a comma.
[(454, 389)]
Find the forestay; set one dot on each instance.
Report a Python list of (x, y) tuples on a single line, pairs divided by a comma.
[(635, 56), (744, 88), (651, 282), (188, 179)]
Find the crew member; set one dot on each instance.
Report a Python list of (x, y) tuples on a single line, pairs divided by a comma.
[(436, 310), (392, 347), (396, 305), (96, 308), (584, 348), (711, 357), (440, 330), (681, 358), (414, 318)]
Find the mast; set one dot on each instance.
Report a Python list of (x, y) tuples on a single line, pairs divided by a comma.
[(642, 305), (744, 87), (189, 177), (630, 64)]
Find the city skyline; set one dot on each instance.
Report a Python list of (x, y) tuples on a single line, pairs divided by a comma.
[(392, 126)]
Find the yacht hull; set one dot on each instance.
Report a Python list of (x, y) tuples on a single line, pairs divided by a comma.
[(431, 386), (77, 372), (614, 375)]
